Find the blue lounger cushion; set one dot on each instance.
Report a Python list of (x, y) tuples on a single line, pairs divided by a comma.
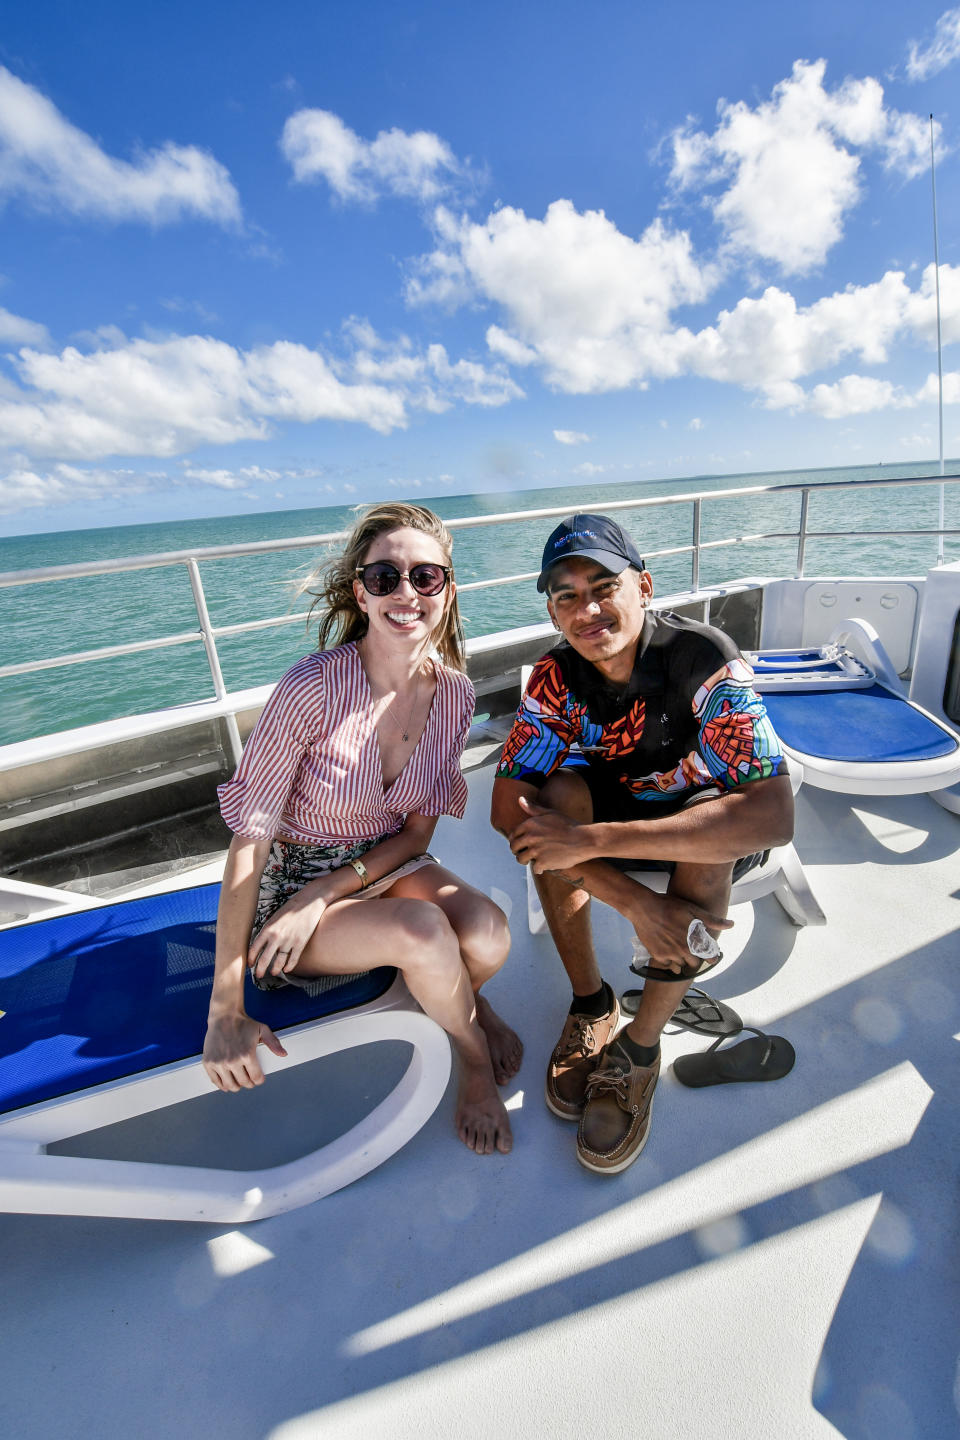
[(871, 726), (123, 988)]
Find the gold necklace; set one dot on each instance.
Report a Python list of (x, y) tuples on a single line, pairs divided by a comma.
[(405, 729)]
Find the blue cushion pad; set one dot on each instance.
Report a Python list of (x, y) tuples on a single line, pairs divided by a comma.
[(870, 726), (124, 988)]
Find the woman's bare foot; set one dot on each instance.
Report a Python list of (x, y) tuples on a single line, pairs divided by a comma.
[(482, 1121), (506, 1047)]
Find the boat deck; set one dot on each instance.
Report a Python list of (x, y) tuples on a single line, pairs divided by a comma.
[(781, 1261)]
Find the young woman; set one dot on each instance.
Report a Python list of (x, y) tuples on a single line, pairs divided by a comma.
[(341, 784)]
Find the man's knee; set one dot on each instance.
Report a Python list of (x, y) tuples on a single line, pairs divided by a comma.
[(706, 884), (567, 792)]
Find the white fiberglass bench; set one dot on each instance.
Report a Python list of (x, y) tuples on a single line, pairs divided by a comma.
[(102, 1016)]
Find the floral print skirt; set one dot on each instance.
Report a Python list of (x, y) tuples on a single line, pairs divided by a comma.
[(289, 867)]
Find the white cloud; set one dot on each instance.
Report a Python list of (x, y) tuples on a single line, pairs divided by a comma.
[(929, 391), (695, 424), (789, 163), (764, 343), (938, 53), (14, 330), (417, 166), (23, 488), (54, 166), (164, 397), (768, 342), (594, 308), (571, 437), (591, 303), (161, 398), (511, 349), (234, 479), (854, 395), (587, 469), (429, 379), (863, 394)]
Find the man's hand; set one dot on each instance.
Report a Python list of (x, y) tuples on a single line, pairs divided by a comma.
[(547, 840), (230, 1051), (662, 922)]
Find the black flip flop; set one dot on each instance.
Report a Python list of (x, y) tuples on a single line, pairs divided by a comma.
[(697, 1011), (688, 973), (762, 1057)]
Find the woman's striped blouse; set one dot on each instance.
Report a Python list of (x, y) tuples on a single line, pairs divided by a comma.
[(311, 769)]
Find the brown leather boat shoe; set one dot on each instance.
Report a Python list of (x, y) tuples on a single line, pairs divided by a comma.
[(574, 1059), (616, 1115)]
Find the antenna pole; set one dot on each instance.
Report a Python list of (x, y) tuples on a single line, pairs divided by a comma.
[(936, 271)]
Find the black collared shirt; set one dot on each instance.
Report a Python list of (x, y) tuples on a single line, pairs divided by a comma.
[(688, 717)]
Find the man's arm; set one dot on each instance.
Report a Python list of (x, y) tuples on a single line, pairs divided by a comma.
[(661, 921), (757, 815)]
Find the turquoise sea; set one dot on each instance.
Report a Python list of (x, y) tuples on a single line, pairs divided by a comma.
[(43, 620)]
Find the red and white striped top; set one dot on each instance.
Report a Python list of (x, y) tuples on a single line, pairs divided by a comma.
[(311, 769)]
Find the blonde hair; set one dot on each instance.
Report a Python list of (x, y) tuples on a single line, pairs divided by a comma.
[(331, 586)]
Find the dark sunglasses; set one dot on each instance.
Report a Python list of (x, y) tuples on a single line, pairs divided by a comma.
[(382, 578)]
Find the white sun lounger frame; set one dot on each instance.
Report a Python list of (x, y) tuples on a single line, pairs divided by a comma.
[(33, 1181)]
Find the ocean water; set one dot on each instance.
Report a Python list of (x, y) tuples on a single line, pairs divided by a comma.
[(43, 620)]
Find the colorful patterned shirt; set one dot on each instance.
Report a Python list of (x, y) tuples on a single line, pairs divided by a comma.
[(688, 719), (311, 769)]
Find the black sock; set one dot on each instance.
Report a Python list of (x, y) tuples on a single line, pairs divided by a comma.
[(595, 1005), (639, 1054)]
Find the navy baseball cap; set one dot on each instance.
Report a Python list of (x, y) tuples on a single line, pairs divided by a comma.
[(593, 537)]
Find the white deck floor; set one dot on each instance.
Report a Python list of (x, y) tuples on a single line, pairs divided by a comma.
[(781, 1262)]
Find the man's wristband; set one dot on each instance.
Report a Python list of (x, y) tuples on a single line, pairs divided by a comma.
[(362, 871)]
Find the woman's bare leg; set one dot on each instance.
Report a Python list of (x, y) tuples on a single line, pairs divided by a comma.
[(484, 939), (416, 936)]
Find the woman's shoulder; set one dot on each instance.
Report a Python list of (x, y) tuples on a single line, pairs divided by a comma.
[(313, 668), (306, 681), (302, 695), (338, 657)]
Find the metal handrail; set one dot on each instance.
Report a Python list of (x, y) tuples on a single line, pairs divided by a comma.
[(209, 633)]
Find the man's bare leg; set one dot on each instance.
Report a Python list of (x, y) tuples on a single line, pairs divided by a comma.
[(565, 907), (618, 1104), (594, 1013), (706, 885)]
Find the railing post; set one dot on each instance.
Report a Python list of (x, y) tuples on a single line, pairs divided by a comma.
[(695, 558), (234, 747), (802, 533)]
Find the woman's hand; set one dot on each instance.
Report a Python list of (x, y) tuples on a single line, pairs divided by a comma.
[(230, 1051), (279, 945)]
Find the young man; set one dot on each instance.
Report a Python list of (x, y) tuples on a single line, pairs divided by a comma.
[(682, 771)]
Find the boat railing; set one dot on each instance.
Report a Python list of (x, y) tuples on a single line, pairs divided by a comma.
[(208, 634)]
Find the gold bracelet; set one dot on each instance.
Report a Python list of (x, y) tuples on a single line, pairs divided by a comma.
[(362, 871)]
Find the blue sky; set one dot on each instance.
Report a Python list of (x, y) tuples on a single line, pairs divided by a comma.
[(260, 257)]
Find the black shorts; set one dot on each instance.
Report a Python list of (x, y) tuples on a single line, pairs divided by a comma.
[(613, 802)]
